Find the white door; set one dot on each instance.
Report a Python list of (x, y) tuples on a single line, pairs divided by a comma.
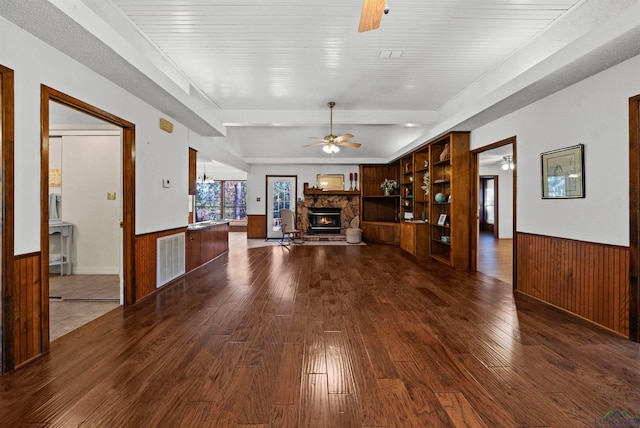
[(281, 194)]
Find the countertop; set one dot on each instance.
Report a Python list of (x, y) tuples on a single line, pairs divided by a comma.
[(206, 224)]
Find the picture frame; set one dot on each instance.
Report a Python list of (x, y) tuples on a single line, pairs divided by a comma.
[(330, 181), (55, 177), (563, 173), (442, 219)]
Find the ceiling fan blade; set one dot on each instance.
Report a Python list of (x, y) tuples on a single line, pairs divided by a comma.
[(315, 144), (371, 15), (343, 137), (348, 144), (319, 139)]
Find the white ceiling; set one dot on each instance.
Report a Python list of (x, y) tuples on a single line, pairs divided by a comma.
[(256, 75)]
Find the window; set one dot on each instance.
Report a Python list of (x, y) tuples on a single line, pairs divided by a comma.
[(221, 200)]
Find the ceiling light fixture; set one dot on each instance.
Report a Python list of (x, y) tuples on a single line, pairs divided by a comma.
[(331, 149), (507, 163)]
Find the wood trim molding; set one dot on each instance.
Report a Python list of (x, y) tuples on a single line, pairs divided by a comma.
[(634, 217), (7, 125), (128, 189)]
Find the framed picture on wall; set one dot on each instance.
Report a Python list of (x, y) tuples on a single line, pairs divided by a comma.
[(563, 173), (330, 181)]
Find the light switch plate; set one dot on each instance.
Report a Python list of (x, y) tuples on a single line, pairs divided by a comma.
[(111, 196)]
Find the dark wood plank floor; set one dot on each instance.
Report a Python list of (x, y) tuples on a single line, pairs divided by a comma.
[(328, 336), (495, 257)]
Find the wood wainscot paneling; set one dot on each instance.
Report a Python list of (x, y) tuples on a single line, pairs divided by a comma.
[(257, 226), (588, 279), (146, 260), (24, 306)]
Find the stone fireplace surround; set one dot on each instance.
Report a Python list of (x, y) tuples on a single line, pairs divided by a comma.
[(349, 205)]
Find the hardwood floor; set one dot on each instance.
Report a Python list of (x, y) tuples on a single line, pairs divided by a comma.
[(328, 336), (495, 257)]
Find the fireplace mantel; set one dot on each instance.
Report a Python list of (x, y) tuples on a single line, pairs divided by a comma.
[(314, 191)]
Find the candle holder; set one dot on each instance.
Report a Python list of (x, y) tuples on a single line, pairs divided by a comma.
[(351, 186)]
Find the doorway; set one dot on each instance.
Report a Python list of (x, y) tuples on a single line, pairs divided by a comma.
[(488, 204), (85, 210), (281, 194), (493, 232), (126, 182)]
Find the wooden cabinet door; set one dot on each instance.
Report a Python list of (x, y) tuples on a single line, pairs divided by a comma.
[(194, 250)]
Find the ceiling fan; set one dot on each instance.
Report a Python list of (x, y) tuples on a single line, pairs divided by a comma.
[(371, 15), (331, 142)]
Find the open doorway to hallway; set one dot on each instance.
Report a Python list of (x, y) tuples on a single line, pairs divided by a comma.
[(495, 202), (85, 209)]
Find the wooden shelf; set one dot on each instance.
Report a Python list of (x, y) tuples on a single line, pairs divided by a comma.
[(451, 177), (380, 215)]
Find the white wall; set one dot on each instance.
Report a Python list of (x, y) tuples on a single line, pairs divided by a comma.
[(256, 180), (158, 154), (593, 112), (90, 169), (505, 199)]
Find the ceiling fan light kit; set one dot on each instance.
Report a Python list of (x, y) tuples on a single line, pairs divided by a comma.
[(331, 149), (507, 163), (331, 142)]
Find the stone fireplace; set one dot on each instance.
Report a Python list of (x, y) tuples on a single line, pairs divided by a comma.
[(347, 204)]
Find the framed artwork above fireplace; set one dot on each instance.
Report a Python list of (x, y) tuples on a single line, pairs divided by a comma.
[(330, 181)]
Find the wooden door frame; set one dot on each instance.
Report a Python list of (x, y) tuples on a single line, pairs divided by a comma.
[(128, 194), (475, 176), (7, 286), (496, 211), (634, 217)]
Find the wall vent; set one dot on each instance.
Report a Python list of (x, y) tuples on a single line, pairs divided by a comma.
[(170, 263)]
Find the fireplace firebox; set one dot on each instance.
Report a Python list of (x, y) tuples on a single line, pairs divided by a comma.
[(324, 220)]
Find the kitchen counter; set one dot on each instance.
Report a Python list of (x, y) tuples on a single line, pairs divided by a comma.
[(206, 240), (206, 224)]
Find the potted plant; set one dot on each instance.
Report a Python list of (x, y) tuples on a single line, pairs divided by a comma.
[(389, 186)]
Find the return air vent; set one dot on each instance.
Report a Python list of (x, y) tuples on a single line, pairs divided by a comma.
[(170, 262)]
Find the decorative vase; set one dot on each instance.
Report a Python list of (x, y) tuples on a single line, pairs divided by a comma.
[(440, 197), (445, 153), (386, 193)]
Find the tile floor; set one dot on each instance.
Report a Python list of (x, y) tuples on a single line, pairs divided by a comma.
[(75, 300)]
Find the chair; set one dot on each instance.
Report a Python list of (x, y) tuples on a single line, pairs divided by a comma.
[(289, 228)]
